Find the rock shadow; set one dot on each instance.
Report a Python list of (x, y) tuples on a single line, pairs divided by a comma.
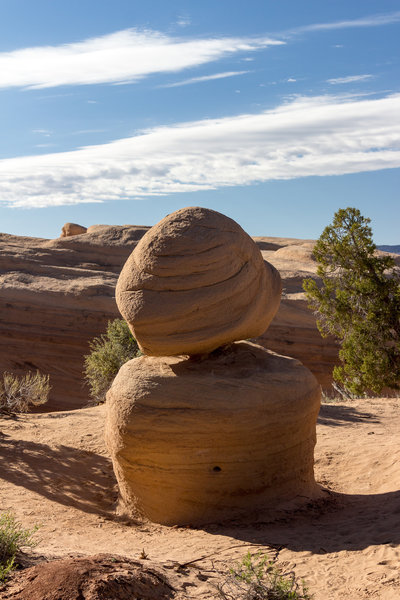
[(341, 414), (340, 522), (66, 475)]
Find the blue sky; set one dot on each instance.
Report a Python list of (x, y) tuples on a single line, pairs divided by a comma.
[(276, 113)]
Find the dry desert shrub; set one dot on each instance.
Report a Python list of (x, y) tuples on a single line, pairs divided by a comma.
[(108, 353), (13, 537), (19, 393), (258, 577)]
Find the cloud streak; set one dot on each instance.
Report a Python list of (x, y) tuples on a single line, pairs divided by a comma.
[(205, 78), (349, 79), (122, 57), (370, 21), (325, 135)]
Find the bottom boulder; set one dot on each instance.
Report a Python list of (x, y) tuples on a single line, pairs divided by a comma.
[(195, 440)]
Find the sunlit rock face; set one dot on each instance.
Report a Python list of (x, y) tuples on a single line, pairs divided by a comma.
[(194, 282), (195, 441)]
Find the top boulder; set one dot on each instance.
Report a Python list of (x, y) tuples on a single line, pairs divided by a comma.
[(194, 282)]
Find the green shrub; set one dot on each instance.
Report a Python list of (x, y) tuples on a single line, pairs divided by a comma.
[(18, 393), (12, 539), (259, 578), (108, 353)]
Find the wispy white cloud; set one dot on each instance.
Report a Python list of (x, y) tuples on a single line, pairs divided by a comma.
[(85, 131), (369, 21), (183, 20), (121, 57), (349, 79), (45, 132), (328, 135), (205, 78)]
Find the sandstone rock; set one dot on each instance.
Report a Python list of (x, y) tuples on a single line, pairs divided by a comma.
[(193, 441), (194, 282), (70, 229), (102, 576)]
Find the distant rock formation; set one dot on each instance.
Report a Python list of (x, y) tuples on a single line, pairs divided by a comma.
[(70, 229), (195, 439), (391, 249), (194, 282)]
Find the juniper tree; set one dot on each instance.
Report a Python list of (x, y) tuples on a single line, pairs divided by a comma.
[(358, 303)]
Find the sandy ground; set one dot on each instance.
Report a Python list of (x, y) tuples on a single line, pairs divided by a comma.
[(54, 471)]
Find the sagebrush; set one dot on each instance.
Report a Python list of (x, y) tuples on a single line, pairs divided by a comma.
[(13, 538), (19, 393), (258, 577), (108, 353)]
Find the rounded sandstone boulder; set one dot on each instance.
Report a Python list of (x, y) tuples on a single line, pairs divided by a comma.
[(70, 229), (194, 441), (194, 282)]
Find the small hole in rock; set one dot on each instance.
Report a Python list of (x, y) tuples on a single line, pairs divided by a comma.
[(217, 469)]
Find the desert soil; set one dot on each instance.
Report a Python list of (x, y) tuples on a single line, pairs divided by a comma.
[(55, 472)]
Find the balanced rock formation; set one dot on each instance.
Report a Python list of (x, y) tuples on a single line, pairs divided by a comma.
[(194, 282), (195, 439), (70, 229)]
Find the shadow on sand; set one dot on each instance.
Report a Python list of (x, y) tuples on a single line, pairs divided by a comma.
[(337, 523), (65, 475), (342, 414)]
